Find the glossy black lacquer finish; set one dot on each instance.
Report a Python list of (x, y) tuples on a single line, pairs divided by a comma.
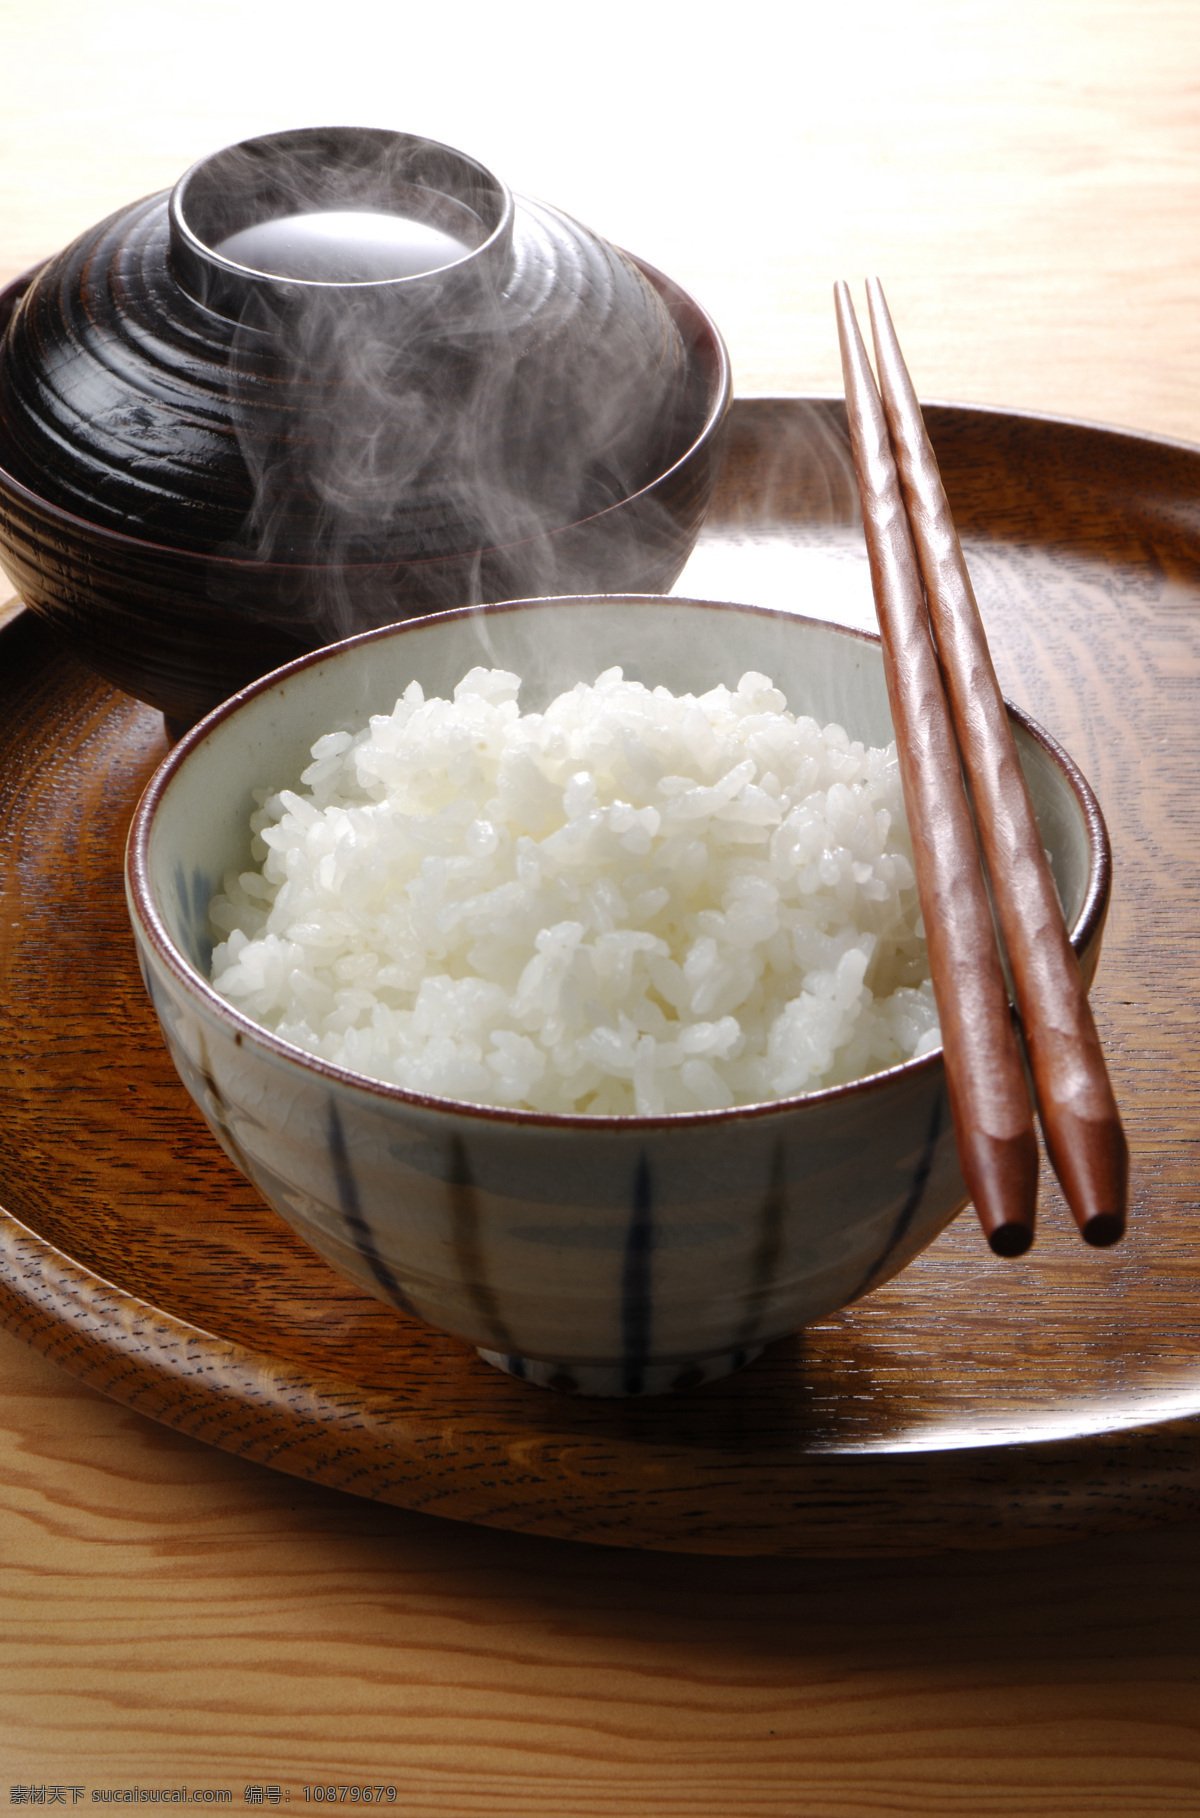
[(204, 472)]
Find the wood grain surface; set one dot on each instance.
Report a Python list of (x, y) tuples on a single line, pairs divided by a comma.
[(1025, 176), (186, 1617)]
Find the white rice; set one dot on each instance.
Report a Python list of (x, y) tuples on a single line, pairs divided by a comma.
[(631, 902)]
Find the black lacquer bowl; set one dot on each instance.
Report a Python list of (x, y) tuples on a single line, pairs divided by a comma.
[(207, 468)]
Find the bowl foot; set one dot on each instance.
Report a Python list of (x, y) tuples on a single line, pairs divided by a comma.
[(621, 1378)]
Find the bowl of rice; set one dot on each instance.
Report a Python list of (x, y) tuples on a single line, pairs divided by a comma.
[(556, 970)]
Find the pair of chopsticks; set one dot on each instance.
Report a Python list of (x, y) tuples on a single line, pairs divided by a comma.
[(950, 720)]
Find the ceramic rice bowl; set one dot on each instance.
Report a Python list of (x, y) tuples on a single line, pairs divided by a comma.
[(605, 1255)]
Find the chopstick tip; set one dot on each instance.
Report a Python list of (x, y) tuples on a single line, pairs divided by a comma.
[(1010, 1240), (1104, 1230)]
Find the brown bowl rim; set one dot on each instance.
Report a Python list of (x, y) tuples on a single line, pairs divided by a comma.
[(1088, 924)]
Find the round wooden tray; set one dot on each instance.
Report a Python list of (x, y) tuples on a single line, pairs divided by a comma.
[(970, 1403)]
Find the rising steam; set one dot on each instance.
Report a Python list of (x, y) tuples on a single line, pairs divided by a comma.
[(466, 413)]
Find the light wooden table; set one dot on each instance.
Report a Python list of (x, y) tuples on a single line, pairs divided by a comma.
[(1024, 175)]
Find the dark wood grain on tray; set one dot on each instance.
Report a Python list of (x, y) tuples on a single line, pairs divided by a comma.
[(970, 1403)]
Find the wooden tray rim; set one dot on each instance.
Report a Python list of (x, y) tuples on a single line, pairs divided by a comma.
[(116, 1341)]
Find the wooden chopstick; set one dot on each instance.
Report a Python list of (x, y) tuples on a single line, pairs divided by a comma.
[(989, 1101), (1080, 1120)]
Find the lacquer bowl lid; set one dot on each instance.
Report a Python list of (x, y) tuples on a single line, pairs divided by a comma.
[(341, 345)]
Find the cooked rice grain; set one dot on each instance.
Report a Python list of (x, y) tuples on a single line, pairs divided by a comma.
[(632, 902)]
